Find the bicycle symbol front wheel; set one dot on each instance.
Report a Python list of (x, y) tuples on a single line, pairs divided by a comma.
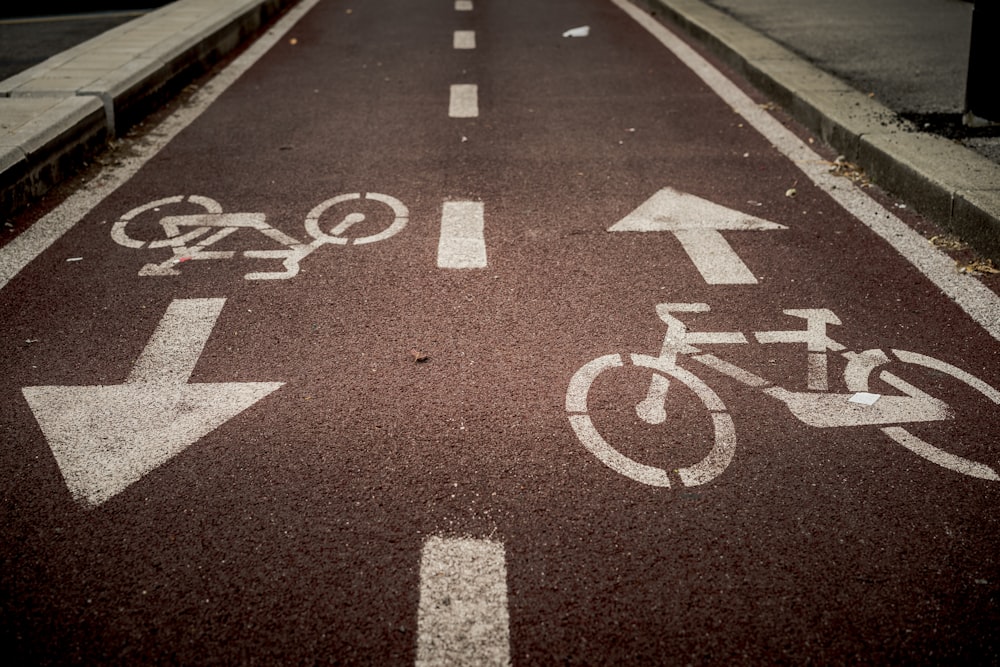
[(400, 213), (705, 470)]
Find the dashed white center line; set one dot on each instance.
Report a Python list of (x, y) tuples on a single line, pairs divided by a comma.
[(463, 618), (464, 101), (464, 39), (462, 245), (463, 5)]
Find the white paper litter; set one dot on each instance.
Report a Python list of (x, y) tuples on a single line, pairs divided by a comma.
[(582, 31), (864, 398)]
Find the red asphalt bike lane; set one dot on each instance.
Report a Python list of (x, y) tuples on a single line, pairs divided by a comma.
[(292, 532)]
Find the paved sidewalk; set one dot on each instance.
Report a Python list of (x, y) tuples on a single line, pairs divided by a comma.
[(912, 55), (28, 41), (56, 114), (854, 72)]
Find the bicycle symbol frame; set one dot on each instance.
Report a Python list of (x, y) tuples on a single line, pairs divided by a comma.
[(189, 236), (818, 407)]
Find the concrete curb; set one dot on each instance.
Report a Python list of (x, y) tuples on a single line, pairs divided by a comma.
[(53, 116), (954, 186)]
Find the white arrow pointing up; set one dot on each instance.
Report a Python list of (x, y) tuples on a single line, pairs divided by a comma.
[(697, 224), (104, 438)]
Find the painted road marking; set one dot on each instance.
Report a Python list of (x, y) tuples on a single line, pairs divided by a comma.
[(35, 240), (463, 5), (462, 618), (972, 296), (815, 338), (821, 409), (939, 456), (464, 39), (697, 224), (202, 230), (105, 438), (464, 101), (462, 244)]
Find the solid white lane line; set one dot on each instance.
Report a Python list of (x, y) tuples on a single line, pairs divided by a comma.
[(464, 101), (33, 241), (462, 618), (462, 244), (972, 296), (464, 39)]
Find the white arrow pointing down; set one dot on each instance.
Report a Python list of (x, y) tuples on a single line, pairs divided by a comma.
[(105, 438)]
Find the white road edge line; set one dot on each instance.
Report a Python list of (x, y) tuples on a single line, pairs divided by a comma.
[(462, 617), (464, 101), (464, 39), (462, 244), (32, 242), (972, 296)]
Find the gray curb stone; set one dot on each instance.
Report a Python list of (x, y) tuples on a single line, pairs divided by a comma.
[(956, 187)]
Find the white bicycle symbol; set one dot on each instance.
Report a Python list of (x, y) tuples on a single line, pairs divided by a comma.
[(189, 236), (818, 407)]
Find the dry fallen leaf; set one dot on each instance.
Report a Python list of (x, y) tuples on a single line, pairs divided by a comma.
[(418, 356), (979, 266), (948, 242), (849, 170)]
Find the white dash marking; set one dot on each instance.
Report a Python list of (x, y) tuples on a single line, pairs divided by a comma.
[(464, 39), (462, 244), (463, 5), (462, 618), (464, 101)]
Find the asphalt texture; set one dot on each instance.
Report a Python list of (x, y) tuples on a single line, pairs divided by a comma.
[(421, 401)]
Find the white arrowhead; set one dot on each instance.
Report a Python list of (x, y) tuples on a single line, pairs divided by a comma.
[(104, 438), (697, 223), (670, 210)]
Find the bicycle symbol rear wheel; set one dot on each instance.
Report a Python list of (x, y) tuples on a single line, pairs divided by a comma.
[(171, 238), (707, 469), (868, 364)]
